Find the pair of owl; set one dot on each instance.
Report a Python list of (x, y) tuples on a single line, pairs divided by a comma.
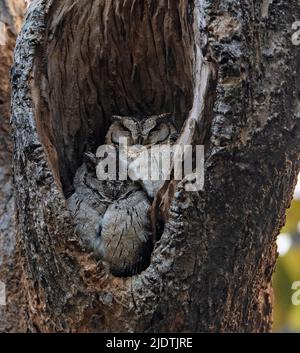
[(112, 216)]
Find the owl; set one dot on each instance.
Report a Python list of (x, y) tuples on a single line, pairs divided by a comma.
[(157, 133), (112, 216)]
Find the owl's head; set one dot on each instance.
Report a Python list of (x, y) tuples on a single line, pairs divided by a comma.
[(152, 130)]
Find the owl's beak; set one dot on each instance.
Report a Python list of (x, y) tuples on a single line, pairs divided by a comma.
[(140, 140)]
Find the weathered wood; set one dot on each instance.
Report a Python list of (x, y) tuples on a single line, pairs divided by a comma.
[(77, 63), (11, 14)]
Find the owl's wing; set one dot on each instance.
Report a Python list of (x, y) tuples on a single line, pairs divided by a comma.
[(151, 170), (87, 210), (131, 268), (126, 238)]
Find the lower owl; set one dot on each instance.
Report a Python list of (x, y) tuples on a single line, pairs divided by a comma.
[(112, 217), (112, 220)]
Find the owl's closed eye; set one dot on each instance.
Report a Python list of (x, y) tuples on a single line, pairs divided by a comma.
[(159, 134)]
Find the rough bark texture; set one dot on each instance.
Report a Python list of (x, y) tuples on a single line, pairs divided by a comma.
[(11, 14), (78, 62)]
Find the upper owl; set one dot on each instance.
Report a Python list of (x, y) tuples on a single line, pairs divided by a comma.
[(149, 131)]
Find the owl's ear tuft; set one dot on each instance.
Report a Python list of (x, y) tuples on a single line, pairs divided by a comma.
[(116, 118), (90, 160)]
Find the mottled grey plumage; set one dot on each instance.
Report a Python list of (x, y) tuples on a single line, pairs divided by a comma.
[(152, 130), (112, 221), (112, 216), (126, 234)]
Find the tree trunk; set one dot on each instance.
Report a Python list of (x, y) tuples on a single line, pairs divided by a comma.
[(11, 14), (227, 71)]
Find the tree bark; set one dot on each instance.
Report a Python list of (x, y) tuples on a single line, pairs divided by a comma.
[(227, 71), (11, 315)]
